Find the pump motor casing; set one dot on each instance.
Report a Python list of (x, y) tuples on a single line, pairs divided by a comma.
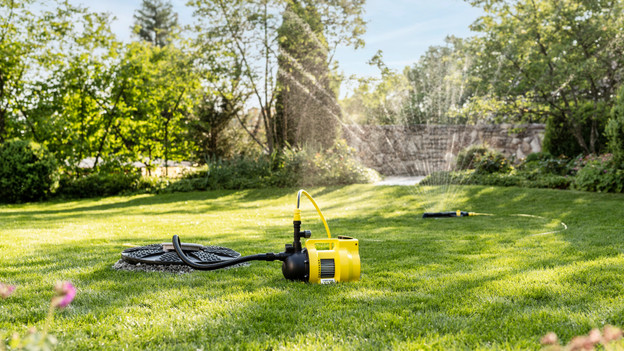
[(325, 261)]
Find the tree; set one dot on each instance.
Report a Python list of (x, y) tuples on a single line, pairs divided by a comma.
[(211, 117), (155, 86), (31, 46), (615, 129), (127, 103), (306, 109), (550, 58), (155, 22), (246, 31), (77, 100), (378, 100), (439, 84), (51, 62)]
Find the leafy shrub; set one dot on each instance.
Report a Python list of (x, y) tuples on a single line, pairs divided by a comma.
[(299, 167), (558, 139), (615, 129), (538, 156), (466, 157), (100, 184), (471, 177), (444, 178), (335, 166), (28, 172), (581, 161), (600, 176), (551, 181), (491, 162), (151, 185), (543, 163)]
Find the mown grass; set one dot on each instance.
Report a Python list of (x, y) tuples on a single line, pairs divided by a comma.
[(487, 282)]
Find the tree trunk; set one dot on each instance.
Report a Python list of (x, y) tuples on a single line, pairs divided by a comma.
[(167, 148), (3, 115)]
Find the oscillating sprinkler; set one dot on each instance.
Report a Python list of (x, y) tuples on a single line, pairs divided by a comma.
[(457, 213)]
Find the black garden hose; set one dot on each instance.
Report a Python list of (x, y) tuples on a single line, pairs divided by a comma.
[(212, 266)]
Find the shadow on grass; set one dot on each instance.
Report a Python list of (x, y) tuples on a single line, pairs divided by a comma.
[(118, 203)]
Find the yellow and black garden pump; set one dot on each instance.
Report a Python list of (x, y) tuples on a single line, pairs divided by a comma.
[(321, 261)]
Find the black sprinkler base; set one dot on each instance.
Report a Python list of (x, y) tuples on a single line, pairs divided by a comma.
[(157, 255)]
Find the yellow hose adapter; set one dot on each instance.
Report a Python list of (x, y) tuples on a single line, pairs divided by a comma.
[(297, 216)]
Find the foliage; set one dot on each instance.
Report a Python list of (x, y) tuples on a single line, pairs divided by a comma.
[(439, 84), (559, 141), (155, 22), (577, 163), (615, 129), (28, 172), (292, 167), (378, 101), (35, 46), (491, 162), (519, 179), (432, 91), (541, 163), (600, 176), (307, 113), (562, 57), (538, 156), (587, 173), (244, 34), (149, 126), (82, 93), (110, 179), (335, 166), (208, 124), (466, 158)]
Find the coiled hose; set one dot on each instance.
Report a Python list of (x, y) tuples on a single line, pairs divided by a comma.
[(212, 266)]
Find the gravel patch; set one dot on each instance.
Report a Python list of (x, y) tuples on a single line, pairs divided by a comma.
[(122, 265)]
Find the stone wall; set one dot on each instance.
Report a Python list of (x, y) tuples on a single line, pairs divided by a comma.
[(422, 149)]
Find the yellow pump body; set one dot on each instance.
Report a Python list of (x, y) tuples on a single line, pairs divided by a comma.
[(339, 263)]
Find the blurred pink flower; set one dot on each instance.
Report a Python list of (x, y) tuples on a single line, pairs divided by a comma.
[(594, 337), (611, 333), (549, 339), (6, 290), (577, 343), (65, 293)]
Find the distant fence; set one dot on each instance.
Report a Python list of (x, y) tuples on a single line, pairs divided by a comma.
[(422, 149)]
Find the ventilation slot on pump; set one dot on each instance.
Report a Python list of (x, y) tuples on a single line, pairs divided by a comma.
[(328, 268)]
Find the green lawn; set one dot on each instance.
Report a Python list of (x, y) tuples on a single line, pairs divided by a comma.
[(497, 281)]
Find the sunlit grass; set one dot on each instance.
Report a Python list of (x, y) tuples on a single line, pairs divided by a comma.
[(499, 281)]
